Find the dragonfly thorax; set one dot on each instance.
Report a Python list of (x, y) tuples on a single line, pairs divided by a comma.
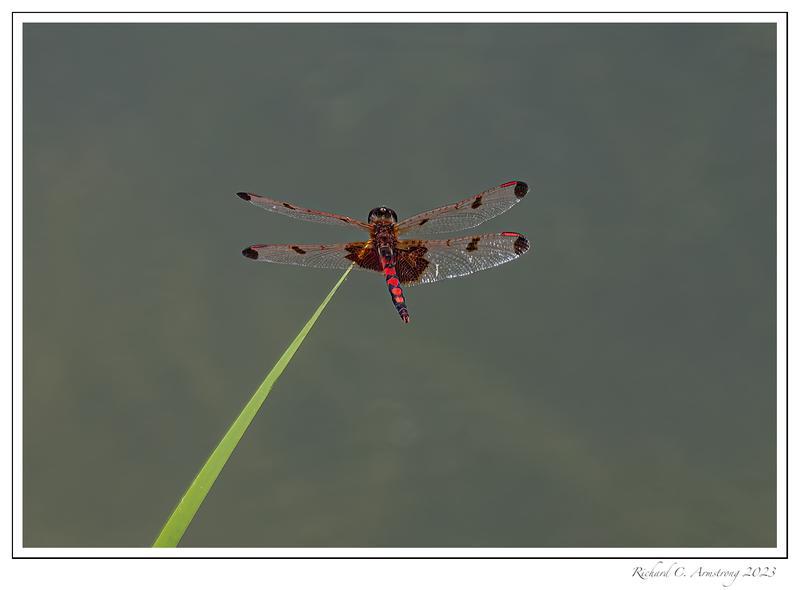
[(382, 214)]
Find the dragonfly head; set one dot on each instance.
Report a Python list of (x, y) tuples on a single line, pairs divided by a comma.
[(382, 214)]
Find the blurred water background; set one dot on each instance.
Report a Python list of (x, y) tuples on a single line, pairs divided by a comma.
[(614, 387)]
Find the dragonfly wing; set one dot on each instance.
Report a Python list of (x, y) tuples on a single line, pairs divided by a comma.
[(466, 213), (318, 255), (428, 261), (302, 213)]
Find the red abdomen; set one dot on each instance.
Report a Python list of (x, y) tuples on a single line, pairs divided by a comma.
[(395, 290)]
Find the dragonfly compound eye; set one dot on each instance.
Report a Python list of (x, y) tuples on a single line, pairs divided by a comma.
[(381, 213)]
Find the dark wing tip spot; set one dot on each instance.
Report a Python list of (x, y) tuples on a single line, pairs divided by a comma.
[(521, 245), (250, 253), (244, 196), (521, 189)]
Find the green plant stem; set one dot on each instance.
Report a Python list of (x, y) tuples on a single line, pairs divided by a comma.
[(184, 512)]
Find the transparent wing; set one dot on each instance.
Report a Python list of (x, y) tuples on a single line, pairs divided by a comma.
[(302, 213), (428, 261), (318, 255), (466, 213)]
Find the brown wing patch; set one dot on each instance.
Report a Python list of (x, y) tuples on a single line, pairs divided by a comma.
[(298, 249), (364, 255), (473, 244), (424, 221), (477, 202), (411, 261)]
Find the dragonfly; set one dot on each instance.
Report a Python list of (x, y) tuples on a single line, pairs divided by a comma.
[(398, 250)]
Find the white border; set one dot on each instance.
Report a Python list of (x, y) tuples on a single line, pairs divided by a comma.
[(20, 551), (378, 17), (781, 274)]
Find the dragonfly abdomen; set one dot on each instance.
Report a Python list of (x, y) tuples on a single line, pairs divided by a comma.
[(395, 290)]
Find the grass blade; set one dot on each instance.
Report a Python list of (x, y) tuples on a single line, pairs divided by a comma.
[(184, 512)]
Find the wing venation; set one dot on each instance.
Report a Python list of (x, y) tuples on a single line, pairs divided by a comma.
[(338, 256), (302, 213), (466, 213), (428, 261)]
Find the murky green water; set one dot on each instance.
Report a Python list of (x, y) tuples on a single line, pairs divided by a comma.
[(614, 387)]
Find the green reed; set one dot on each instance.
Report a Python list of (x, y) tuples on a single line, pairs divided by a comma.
[(184, 512)]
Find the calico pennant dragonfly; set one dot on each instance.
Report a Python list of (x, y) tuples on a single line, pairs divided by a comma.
[(405, 262)]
